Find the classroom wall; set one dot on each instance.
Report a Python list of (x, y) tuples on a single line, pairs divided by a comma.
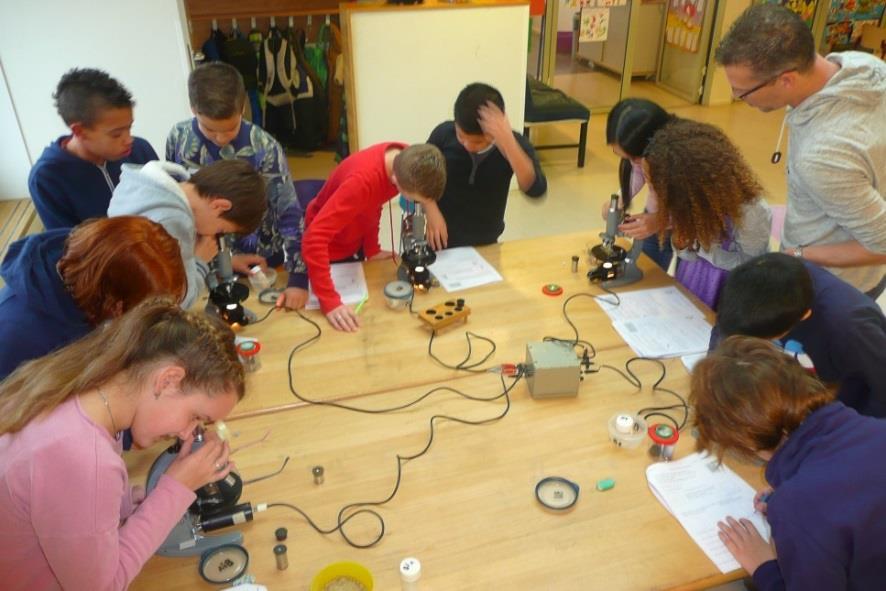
[(721, 91), (409, 65), (14, 162), (142, 44)]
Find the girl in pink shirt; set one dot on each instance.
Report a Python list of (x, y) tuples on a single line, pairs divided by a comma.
[(68, 517)]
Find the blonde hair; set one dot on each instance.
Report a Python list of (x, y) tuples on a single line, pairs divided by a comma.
[(421, 168), (157, 330)]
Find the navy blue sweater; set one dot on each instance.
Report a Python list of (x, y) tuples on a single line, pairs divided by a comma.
[(37, 315), (845, 337), (828, 506), (476, 194), (68, 190)]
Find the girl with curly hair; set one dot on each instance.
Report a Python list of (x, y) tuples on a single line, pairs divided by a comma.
[(710, 199)]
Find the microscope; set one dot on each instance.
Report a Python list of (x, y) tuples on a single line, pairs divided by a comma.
[(226, 294), (615, 265), (215, 508), (415, 253)]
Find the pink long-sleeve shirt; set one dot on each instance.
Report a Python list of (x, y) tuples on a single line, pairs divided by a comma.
[(67, 520)]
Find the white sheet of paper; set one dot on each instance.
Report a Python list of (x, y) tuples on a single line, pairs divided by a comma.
[(699, 494), (643, 303), (462, 268), (669, 336), (350, 283), (690, 360)]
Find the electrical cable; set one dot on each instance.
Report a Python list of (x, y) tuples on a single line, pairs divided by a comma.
[(628, 374), (265, 317), (463, 365), (351, 510)]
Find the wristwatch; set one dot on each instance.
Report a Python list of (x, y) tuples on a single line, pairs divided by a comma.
[(798, 252)]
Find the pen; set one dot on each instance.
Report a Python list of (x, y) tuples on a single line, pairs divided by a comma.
[(360, 304)]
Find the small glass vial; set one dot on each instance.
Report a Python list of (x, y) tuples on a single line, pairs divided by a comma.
[(248, 352), (257, 279), (664, 441)]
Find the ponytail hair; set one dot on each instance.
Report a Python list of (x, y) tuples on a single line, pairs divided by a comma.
[(155, 331)]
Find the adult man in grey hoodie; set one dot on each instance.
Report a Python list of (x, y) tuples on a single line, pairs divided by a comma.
[(836, 212)]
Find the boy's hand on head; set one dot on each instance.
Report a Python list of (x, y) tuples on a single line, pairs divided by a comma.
[(436, 231), (640, 226), (242, 263), (745, 543), (344, 319), (293, 298), (494, 123), (206, 247)]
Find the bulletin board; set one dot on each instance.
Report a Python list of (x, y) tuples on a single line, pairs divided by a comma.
[(408, 66)]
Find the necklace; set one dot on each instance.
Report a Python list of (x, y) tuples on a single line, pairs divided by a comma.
[(110, 414)]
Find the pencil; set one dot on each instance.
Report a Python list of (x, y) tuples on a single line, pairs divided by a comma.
[(360, 304)]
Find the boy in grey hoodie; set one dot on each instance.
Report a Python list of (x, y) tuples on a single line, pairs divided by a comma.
[(224, 197), (836, 212)]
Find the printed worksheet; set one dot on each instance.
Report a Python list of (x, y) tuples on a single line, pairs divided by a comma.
[(668, 336), (350, 283), (699, 493), (462, 268), (660, 322), (644, 303)]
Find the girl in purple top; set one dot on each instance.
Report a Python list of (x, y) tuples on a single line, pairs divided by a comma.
[(68, 516), (711, 201)]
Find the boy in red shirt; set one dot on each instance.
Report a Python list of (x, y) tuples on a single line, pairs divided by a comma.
[(343, 219)]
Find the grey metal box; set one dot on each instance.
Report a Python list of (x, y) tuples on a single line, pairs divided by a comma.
[(554, 369)]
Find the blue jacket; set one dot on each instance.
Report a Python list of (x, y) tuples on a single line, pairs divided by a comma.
[(845, 337), (37, 315), (828, 505), (68, 190)]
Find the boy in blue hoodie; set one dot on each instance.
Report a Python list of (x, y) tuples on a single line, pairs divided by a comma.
[(218, 132), (62, 283), (224, 197), (75, 176), (811, 311)]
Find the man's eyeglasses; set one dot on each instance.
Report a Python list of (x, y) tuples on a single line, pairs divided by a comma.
[(766, 82)]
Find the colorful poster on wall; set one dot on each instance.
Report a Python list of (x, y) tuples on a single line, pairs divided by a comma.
[(594, 24), (845, 21), (685, 18), (805, 8), (855, 10)]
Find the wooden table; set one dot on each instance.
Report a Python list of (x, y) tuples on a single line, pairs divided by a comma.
[(466, 509)]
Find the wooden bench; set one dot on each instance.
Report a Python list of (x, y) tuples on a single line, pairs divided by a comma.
[(548, 105)]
